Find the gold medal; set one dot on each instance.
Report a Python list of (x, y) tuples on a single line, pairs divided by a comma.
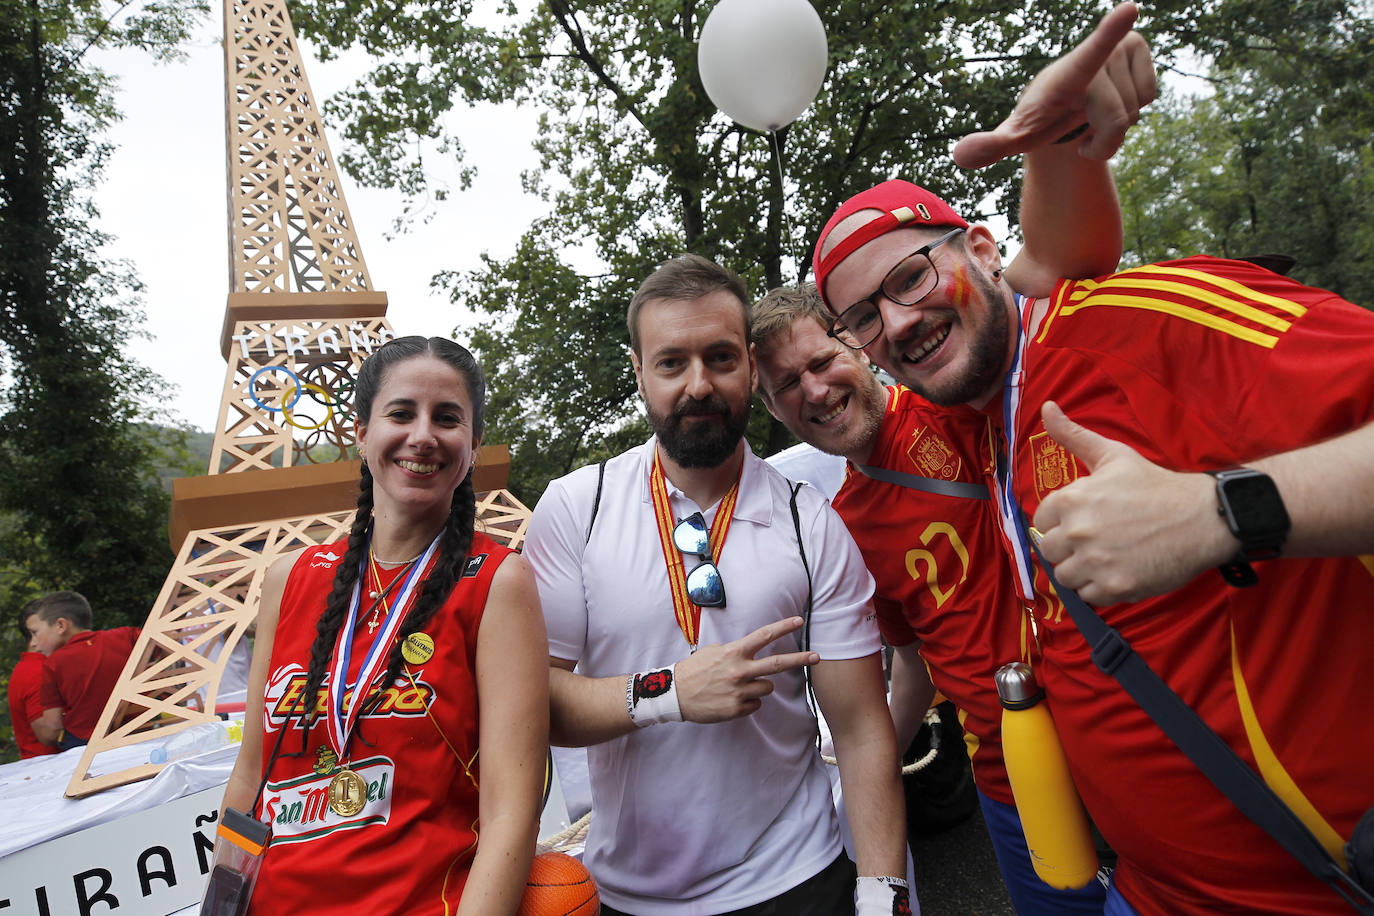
[(418, 648), (347, 793), (325, 760)]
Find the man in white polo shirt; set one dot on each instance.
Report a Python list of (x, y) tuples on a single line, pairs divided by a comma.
[(689, 587)]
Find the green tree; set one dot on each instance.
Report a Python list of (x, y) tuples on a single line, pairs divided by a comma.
[(80, 504), (1275, 159), (637, 165)]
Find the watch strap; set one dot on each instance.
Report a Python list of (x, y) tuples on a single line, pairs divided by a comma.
[(1265, 545), (1238, 574)]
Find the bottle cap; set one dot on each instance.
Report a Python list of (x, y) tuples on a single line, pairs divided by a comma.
[(1016, 686)]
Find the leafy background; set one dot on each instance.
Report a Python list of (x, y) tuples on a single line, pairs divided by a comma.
[(635, 166)]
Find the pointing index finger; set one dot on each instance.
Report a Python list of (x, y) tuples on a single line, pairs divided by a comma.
[(752, 644), (1082, 63)]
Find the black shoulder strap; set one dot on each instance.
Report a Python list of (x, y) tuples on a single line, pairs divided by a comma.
[(1214, 757), (596, 502), (810, 597), (925, 484)]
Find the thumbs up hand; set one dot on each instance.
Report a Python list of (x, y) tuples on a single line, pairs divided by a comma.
[(1130, 529)]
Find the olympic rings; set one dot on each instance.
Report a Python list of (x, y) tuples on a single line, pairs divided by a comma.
[(296, 383), (329, 411), (333, 377), (330, 388)]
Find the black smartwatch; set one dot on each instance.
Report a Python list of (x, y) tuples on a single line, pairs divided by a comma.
[(1253, 509)]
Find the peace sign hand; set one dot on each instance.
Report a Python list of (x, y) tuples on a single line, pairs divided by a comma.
[(722, 682)]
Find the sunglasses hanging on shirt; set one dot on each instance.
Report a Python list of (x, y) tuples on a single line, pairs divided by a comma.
[(704, 585)]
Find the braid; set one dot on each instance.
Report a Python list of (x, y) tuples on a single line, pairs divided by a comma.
[(454, 548), (345, 575)]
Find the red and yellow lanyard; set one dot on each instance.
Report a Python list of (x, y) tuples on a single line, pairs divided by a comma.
[(688, 612)]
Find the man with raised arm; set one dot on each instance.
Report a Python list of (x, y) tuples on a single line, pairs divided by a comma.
[(913, 494), (1172, 370)]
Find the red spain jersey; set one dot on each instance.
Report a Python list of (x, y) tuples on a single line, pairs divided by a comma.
[(25, 706), (941, 577), (409, 848), (80, 676), (1205, 364)]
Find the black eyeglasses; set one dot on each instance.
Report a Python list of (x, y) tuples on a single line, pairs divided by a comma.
[(908, 283), (704, 585)]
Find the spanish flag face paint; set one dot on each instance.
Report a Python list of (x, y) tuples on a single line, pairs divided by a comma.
[(957, 287)]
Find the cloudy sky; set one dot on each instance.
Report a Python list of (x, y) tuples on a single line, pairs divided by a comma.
[(164, 198)]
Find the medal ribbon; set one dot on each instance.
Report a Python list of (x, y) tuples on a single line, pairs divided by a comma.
[(688, 612), (1007, 506), (340, 724)]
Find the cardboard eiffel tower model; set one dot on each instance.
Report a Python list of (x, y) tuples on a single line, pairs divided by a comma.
[(302, 316)]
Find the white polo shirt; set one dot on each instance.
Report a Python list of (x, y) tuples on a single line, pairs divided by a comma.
[(690, 818)]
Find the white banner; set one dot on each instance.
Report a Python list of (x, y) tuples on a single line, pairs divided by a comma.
[(150, 863)]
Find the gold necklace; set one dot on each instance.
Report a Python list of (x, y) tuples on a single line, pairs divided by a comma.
[(381, 562), (379, 605), (378, 600)]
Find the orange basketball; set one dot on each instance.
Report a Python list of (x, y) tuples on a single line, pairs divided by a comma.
[(559, 885)]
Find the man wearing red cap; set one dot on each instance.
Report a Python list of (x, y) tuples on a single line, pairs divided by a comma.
[(1192, 366), (913, 494)]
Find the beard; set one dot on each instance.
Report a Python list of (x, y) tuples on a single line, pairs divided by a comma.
[(700, 444), (871, 401), (987, 354)]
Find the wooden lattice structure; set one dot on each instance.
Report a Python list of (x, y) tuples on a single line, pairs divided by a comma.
[(288, 221), (301, 317)]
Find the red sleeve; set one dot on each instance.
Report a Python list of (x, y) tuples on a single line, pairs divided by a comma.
[(1319, 380), (1203, 363), (892, 623), (23, 689), (49, 695), (32, 705)]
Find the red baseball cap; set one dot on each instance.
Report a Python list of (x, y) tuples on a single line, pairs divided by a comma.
[(903, 204)]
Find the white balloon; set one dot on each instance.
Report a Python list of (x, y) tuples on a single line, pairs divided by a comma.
[(762, 61)]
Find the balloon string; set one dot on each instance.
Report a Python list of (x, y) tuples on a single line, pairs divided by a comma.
[(782, 188)]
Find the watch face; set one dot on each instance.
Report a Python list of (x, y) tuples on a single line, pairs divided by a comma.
[(1255, 506)]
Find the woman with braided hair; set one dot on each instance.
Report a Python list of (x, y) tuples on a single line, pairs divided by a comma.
[(374, 803)]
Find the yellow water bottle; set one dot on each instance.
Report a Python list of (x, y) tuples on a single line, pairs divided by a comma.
[(1052, 815)]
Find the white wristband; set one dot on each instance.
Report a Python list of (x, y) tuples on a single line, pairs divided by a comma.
[(651, 697), (882, 897)]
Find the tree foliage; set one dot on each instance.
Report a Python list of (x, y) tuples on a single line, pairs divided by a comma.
[(80, 504), (1276, 160), (637, 165)]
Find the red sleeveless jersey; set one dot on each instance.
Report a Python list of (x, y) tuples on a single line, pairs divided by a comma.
[(410, 847)]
